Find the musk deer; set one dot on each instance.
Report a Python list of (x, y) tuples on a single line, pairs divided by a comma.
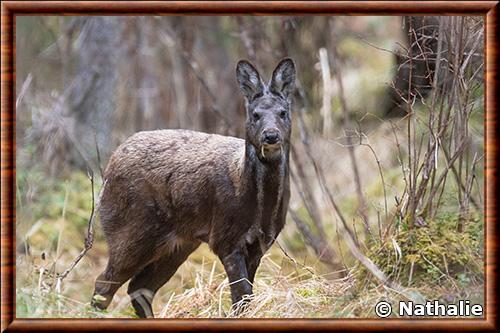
[(166, 191)]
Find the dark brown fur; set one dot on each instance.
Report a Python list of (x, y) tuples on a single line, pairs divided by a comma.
[(167, 191)]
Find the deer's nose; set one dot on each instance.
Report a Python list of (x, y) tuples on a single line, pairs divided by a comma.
[(271, 136)]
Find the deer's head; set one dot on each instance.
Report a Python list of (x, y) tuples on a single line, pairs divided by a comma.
[(268, 107)]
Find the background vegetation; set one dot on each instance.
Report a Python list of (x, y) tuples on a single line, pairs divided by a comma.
[(387, 157)]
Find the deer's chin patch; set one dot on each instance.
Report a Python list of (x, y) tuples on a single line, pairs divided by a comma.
[(268, 151)]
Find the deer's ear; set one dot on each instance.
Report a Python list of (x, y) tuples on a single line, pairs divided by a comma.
[(283, 79), (248, 80)]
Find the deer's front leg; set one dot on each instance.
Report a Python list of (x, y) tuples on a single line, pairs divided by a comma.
[(235, 266), (254, 254)]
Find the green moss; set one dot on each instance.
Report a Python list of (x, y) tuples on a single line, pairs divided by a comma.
[(431, 253)]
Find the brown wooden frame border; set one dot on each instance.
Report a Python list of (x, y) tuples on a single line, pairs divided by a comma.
[(9, 9)]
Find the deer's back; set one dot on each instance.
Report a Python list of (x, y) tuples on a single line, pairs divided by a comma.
[(175, 177)]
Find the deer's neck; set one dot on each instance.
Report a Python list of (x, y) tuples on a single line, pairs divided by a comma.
[(266, 183)]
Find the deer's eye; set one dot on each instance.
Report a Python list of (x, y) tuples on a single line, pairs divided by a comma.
[(283, 114), (256, 116)]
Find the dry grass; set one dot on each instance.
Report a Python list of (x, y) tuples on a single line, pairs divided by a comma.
[(277, 295), (199, 290), (284, 288)]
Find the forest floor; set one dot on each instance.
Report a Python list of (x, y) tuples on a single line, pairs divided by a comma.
[(283, 289), (287, 285)]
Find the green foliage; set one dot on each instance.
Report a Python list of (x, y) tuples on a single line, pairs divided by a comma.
[(46, 206), (432, 253), (46, 197)]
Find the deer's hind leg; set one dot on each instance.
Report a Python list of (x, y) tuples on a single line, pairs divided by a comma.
[(124, 262), (130, 251), (146, 282), (109, 281)]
